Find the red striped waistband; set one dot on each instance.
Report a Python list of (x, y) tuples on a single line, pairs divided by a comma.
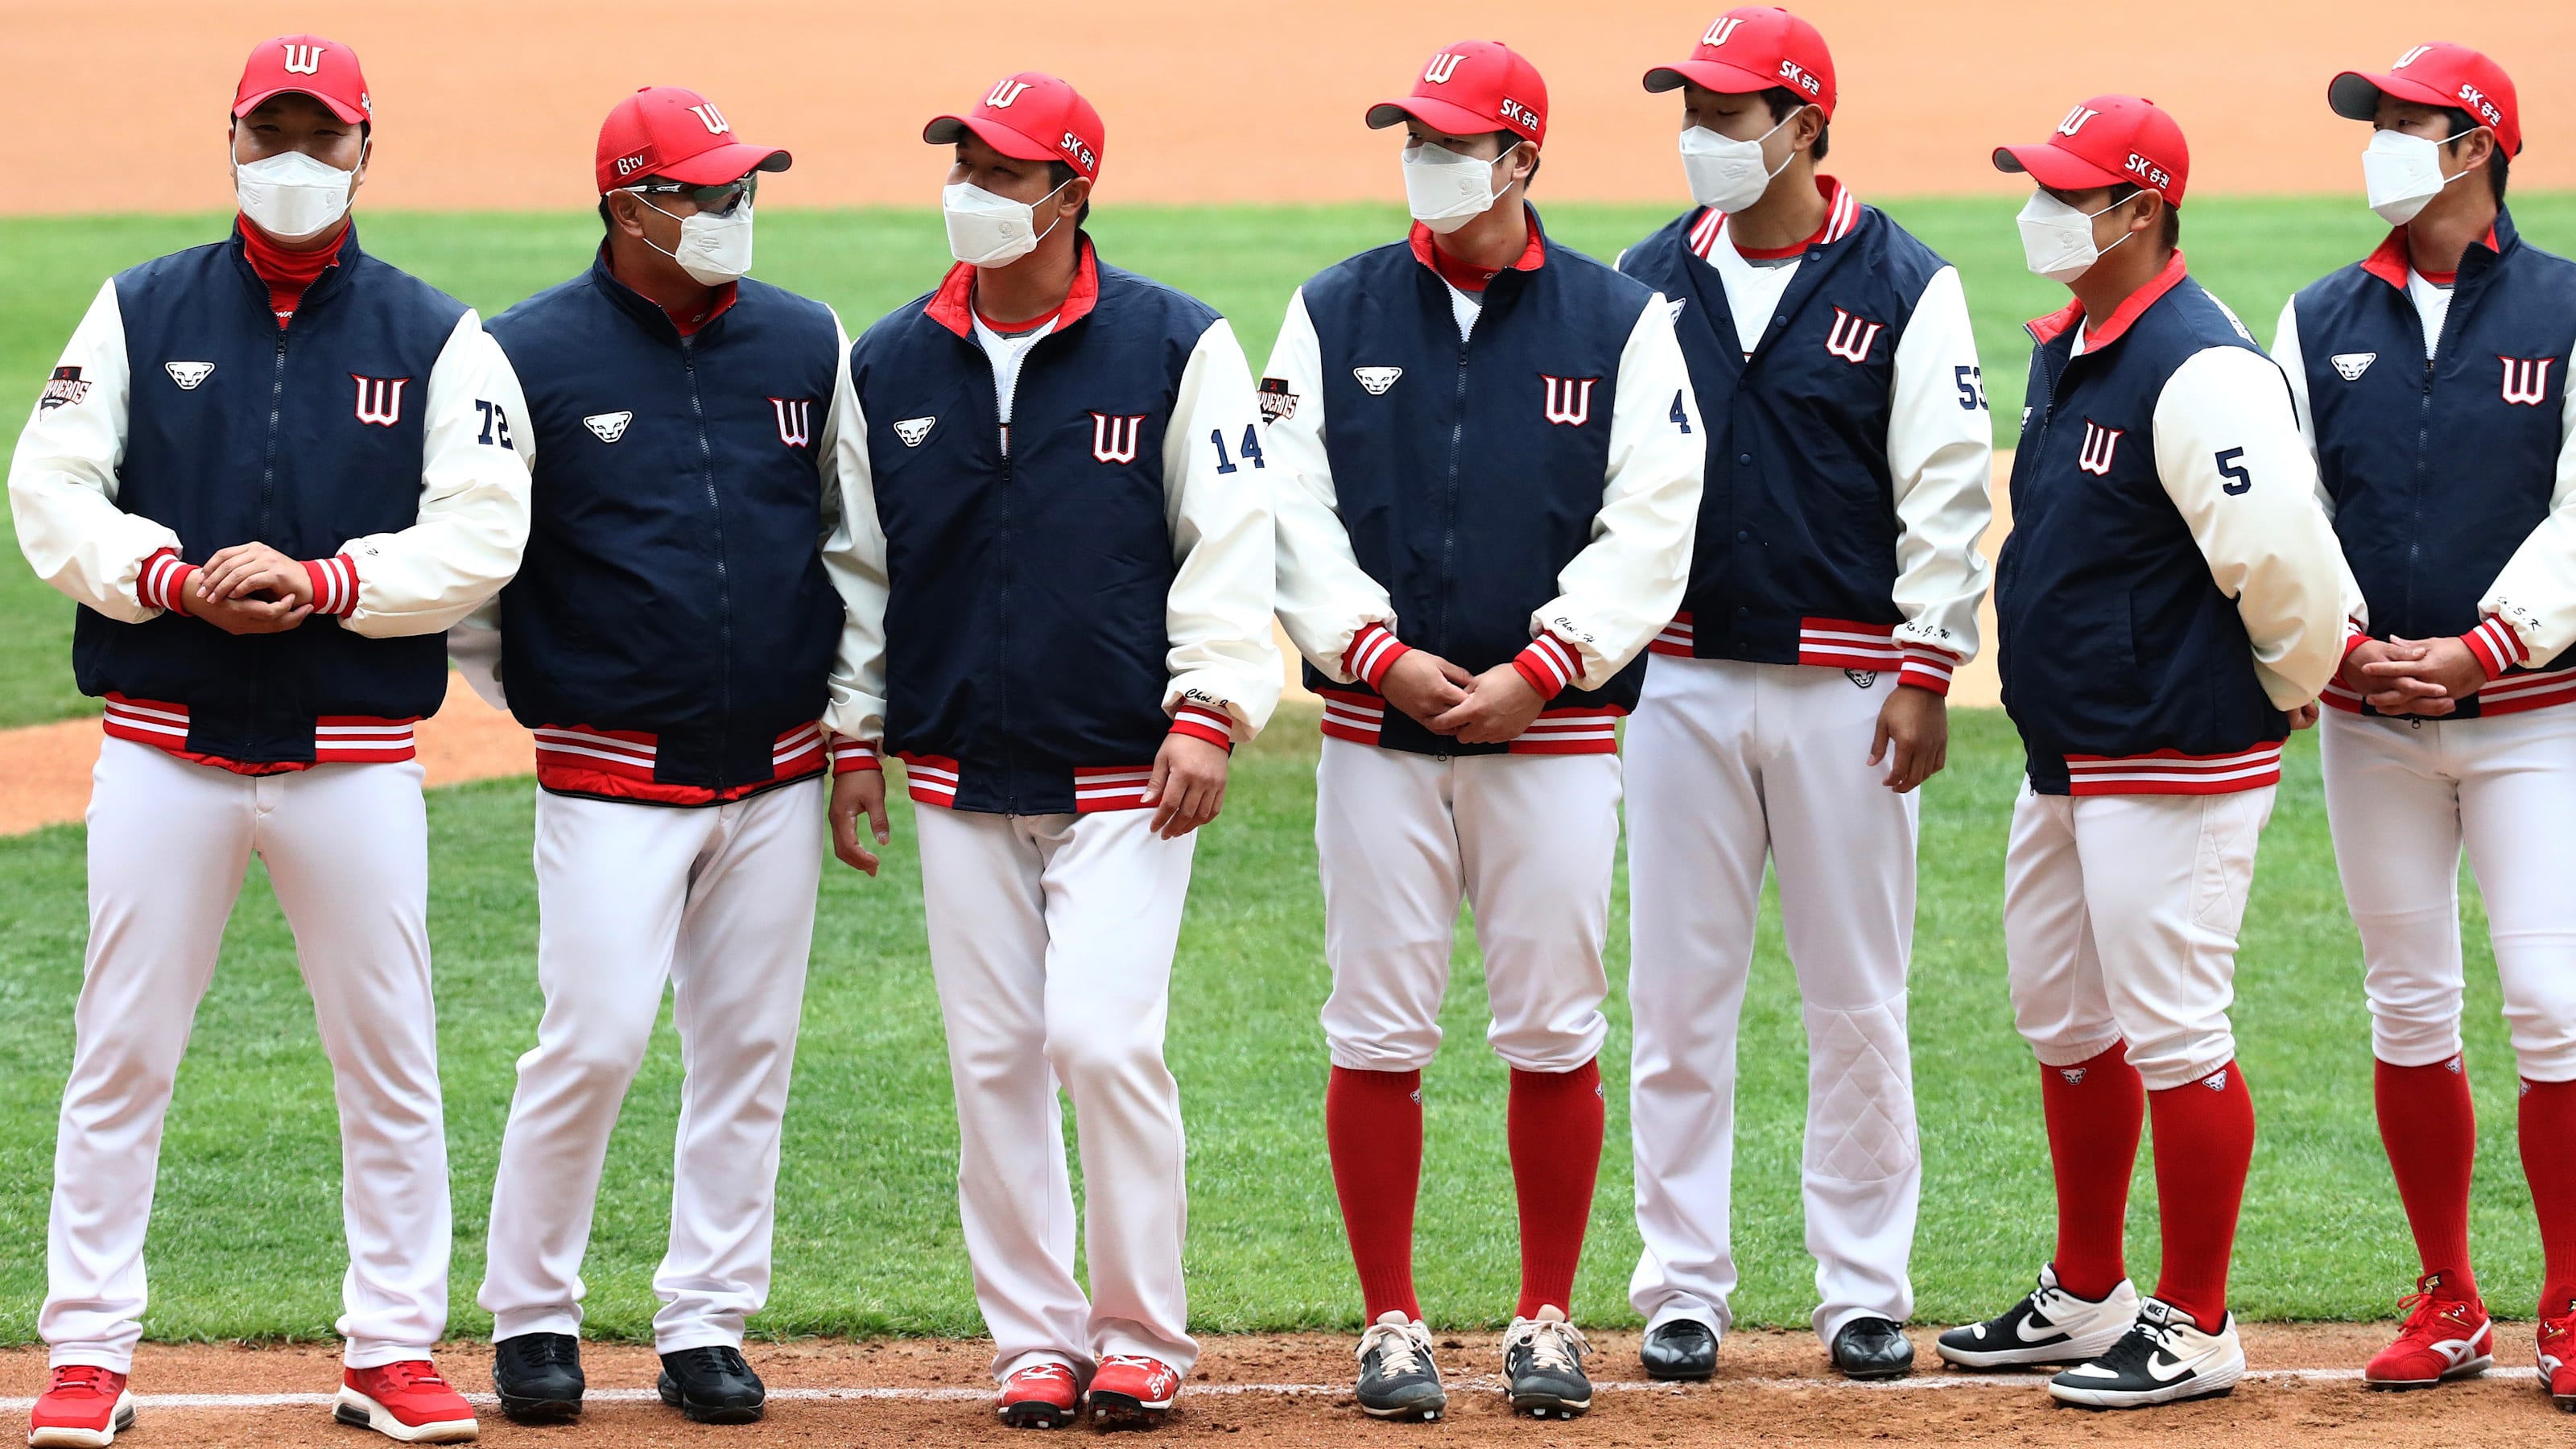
[(338, 739)]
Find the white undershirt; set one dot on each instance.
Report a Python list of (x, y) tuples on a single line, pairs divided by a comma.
[(2432, 304), (1006, 352), (1465, 306), (1753, 289)]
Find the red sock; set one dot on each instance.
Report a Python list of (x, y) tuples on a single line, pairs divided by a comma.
[(2430, 1129), (1373, 1125), (2548, 1130), (2204, 1144), (1555, 1130), (2095, 1109)]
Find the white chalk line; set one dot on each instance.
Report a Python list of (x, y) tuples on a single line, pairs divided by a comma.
[(1919, 1383)]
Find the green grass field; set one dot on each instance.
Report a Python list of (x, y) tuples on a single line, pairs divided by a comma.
[(246, 1238)]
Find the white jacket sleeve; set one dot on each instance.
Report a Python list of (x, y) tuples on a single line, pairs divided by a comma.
[(473, 521), (1225, 668), (2535, 594), (2229, 453), (63, 477), (1325, 599), (1940, 456), (1622, 589), (854, 557)]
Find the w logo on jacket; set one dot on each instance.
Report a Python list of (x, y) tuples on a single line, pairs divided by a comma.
[(2100, 443), (2526, 379), (1852, 337), (1114, 437), (795, 419), (379, 399), (1569, 399)]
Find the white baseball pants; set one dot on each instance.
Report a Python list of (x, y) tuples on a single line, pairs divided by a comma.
[(1051, 940), (2120, 922), (2404, 797), (1528, 840), (717, 901), (1734, 763), (347, 850)]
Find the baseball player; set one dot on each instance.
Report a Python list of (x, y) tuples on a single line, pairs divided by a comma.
[(2170, 603), (1059, 510), (2453, 728), (1798, 699), (669, 641), (272, 470), (1491, 461)]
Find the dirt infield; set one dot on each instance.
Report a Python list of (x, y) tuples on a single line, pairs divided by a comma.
[(1773, 1388), (494, 103)]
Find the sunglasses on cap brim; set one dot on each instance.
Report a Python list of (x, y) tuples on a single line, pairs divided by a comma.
[(716, 200)]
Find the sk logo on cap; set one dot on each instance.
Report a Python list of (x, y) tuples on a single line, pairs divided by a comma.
[(1443, 66), (303, 59), (1719, 31), (710, 117), (1005, 93), (2075, 120)]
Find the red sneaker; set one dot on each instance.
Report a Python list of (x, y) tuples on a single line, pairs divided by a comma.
[(83, 1406), (1041, 1396), (1131, 1391), (406, 1401), (2557, 1359), (2445, 1337)]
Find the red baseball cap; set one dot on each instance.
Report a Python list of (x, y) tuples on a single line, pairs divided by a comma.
[(1753, 48), (675, 132), (2104, 142), (2440, 74), (1031, 116), (1470, 88), (306, 65)]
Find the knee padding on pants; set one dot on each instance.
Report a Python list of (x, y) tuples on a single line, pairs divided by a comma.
[(1861, 1083)]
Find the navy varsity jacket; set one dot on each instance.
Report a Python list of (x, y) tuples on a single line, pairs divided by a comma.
[(1849, 450), (368, 438), (1504, 477), (2443, 467), (2170, 586), (670, 634)]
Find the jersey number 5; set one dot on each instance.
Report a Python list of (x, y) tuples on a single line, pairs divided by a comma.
[(2231, 466)]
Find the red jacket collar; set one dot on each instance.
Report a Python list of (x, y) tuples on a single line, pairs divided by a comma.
[(953, 305), (1842, 213), (2390, 263), (2053, 326), (1468, 278)]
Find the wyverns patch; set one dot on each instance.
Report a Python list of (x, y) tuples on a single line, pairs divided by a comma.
[(1277, 402), (66, 386)]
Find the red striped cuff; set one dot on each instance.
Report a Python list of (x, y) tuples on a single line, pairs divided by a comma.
[(1373, 652), (1927, 668), (163, 583), (335, 584), (1202, 723), (850, 756), (1548, 666), (2496, 646), (2354, 636)]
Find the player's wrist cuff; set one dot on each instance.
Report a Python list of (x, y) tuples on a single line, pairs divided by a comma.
[(1927, 668), (2354, 636), (1548, 665), (851, 756), (1202, 723), (1374, 650), (163, 583), (2496, 647), (335, 584)]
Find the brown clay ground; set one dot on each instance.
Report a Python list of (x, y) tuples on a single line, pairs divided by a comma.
[(1769, 1392)]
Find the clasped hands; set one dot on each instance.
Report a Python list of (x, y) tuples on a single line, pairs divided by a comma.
[(2427, 677), (1473, 709), (250, 588)]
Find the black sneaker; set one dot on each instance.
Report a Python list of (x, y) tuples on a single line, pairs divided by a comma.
[(2049, 1326), (538, 1377), (1398, 1380), (1873, 1348), (2165, 1358), (1681, 1351), (1543, 1360), (712, 1385)]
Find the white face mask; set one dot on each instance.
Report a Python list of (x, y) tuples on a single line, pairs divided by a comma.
[(292, 196), (2402, 174), (1445, 190), (713, 249), (986, 230), (1727, 174), (2057, 240)]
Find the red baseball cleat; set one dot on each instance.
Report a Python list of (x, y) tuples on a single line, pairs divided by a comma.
[(406, 1401), (2445, 1337), (1041, 1396), (83, 1406), (1132, 1391), (2557, 1359)]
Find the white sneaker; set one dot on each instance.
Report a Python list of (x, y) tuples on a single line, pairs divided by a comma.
[(2165, 1358), (2049, 1326)]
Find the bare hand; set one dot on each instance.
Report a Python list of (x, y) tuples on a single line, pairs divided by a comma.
[(1915, 725), (2304, 717), (1498, 707), (248, 570), (1425, 686), (2420, 676), (854, 793), (1188, 788), (244, 615)]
